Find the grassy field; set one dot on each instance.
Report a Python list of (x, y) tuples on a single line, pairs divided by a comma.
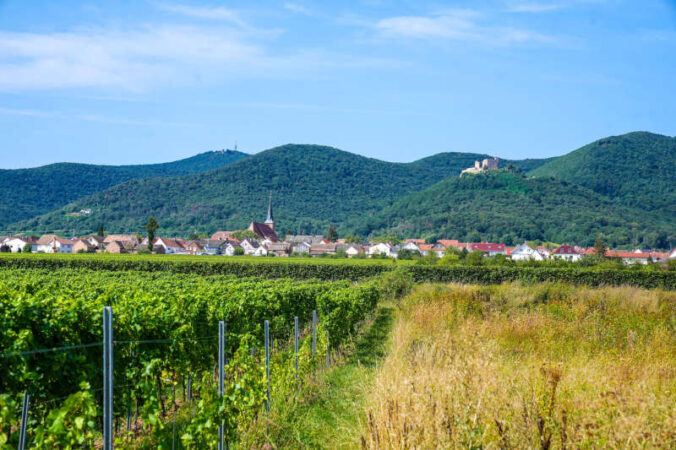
[(546, 366), (328, 410)]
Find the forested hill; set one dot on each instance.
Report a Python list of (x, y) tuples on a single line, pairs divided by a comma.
[(312, 186), (635, 169), (27, 193), (503, 207)]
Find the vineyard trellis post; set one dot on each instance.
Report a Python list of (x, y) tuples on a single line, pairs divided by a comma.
[(328, 349), (189, 389), (24, 420), (295, 346), (107, 378), (314, 333), (221, 375), (267, 362)]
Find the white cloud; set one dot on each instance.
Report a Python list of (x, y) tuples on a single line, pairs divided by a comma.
[(197, 12), (535, 7), (455, 25), (299, 9), (126, 58), (90, 118), (144, 57)]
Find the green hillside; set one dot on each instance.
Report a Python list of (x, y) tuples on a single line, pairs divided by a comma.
[(504, 207), (635, 169), (312, 186), (28, 193)]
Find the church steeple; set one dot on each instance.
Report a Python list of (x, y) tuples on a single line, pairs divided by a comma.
[(270, 221)]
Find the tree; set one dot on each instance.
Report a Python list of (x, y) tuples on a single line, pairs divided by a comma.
[(152, 227), (100, 232), (332, 234), (27, 248), (243, 234), (352, 239), (239, 251), (405, 253), (600, 248)]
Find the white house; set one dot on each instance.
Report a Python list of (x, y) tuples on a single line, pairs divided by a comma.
[(382, 248), (301, 247), (524, 253), (169, 245), (17, 244), (410, 245), (353, 250), (544, 251), (228, 249), (253, 248), (672, 255), (567, 253), (51, 243)]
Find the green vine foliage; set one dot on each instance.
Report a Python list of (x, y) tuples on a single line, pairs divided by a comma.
[(9, 420), (164, 326), (72, 425)]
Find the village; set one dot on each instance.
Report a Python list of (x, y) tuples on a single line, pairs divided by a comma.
[(262, 240)]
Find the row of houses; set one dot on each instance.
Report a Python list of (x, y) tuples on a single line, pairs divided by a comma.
[(267, 243)]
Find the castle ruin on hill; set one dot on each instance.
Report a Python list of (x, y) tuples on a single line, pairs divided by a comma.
[(483, 166)]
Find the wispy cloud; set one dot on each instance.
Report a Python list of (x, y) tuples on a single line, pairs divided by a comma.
[(535, 7), (197, 12), (91, 118), (129, 58), (298, 9), (459, 25), (546, 6), (148, 56)]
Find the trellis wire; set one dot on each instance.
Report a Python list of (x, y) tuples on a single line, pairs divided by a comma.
[(108, 385)]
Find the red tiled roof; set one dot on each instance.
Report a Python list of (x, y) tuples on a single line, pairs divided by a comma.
[(221, 235), (48, 238), (426, 247), (486, 247), (625, 254), (415, 241), (168, 242), (565, 250), (263, 231), (450, 242)]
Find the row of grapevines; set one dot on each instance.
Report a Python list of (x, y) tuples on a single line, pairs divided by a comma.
[(164, 326)]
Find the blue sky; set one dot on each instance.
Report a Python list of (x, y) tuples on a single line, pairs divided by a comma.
[(149, 81)]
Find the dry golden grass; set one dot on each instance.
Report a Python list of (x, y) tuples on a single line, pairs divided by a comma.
[(546, 366)]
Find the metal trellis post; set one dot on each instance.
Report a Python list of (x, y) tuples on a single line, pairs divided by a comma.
[(267, 362), (295, 347), (314, 333), (107, 378), (328, 349), (221, 375), (24, 420)]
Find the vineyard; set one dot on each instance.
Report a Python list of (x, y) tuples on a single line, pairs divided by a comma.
[(165, 335), (352, 269)]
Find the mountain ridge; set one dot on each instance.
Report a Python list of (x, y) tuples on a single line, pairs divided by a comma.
[(33, 191), (314, 186)]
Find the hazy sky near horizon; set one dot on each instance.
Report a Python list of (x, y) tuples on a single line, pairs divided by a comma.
[(151, 81)]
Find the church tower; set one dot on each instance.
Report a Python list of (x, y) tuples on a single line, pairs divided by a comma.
[(270, 221)]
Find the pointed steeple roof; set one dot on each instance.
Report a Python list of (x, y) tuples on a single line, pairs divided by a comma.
[(270, 218)]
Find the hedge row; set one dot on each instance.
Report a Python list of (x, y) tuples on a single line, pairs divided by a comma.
[(586, 276), (345, 270)]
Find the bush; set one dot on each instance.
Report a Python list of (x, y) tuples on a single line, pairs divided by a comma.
[(396, 284)]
